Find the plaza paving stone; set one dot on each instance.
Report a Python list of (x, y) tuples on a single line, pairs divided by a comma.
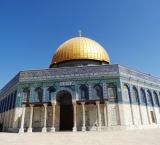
[(131, 137)]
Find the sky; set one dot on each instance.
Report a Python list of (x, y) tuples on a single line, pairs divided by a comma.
[(32, 30)]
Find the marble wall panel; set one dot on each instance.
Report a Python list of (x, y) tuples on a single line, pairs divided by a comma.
[(144, 115), (57, 116), (93, 116), (114, 114), (78, 110), (19, 116), (49, 116), (136, 113), (157, 113), (101, 106), (27, 117), (37, 117), (128, 115)]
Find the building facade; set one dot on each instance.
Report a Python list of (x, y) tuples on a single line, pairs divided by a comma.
[(81, 91)]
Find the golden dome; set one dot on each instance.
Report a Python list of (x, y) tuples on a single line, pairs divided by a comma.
[(80, 48)]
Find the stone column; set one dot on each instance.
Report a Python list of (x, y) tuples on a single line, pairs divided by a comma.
[(74, 117), (105, 114), (99, 116), (83, 114), (44, 129), (53, 116), (31, 118), (21, 130)]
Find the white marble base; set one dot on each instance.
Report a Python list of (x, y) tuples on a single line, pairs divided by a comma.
[(29, 130), (44, 129), (83, 129), (21, 130), (99, 128), (52, 129), (74, 129)]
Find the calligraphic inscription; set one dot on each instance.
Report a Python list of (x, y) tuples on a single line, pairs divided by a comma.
[(66, 83)]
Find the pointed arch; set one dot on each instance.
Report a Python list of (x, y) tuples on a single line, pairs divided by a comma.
[(134, 95), (26, 95), (39, 95), (84, 92), (97, 91), (51, 91), (112, 92), (142, 96), (155, 98), (126, 92), (149, 97)]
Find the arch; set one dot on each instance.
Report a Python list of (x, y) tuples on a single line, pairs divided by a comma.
[(112, 92), (26, 95), (66, 109), (149, 98), (84, 92), (97, 91), (73, 94), (39, 94), (134, 95), (155, 98), (142, 96), (126, 92)]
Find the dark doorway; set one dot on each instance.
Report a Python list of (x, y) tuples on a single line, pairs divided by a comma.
[(66, 110), (66, 117)]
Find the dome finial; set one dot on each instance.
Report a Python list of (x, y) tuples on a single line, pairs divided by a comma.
[(79, 33)]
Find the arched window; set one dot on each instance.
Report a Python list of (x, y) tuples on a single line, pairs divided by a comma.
[(26, 95), (126, 93), (134, 95), (98, 91), (112, 92), (51, 91), (155, 98), (39, 94), (149, 101), (84, 92), (142, 96)]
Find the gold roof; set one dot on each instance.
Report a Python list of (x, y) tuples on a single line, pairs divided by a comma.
[(80, 48)]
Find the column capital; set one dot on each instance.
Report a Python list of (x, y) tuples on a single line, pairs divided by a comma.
[(24, 105), (31, 105), (106, 102), (45, 105), (53, 103), (74, 102), (82, 103), (97, 102)]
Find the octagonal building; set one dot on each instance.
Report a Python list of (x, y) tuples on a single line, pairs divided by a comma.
[(80, 91)]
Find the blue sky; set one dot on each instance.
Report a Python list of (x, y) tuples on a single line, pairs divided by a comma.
[(31, 31)]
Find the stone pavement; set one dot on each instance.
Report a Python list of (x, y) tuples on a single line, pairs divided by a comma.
[(132, 137)]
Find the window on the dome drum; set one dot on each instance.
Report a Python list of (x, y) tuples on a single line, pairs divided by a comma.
[(155, 98), (126, 93), (97, 92), (39, 93), (112, 92), (149, 97), (142, 96), (26, 95), (134, 95)]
